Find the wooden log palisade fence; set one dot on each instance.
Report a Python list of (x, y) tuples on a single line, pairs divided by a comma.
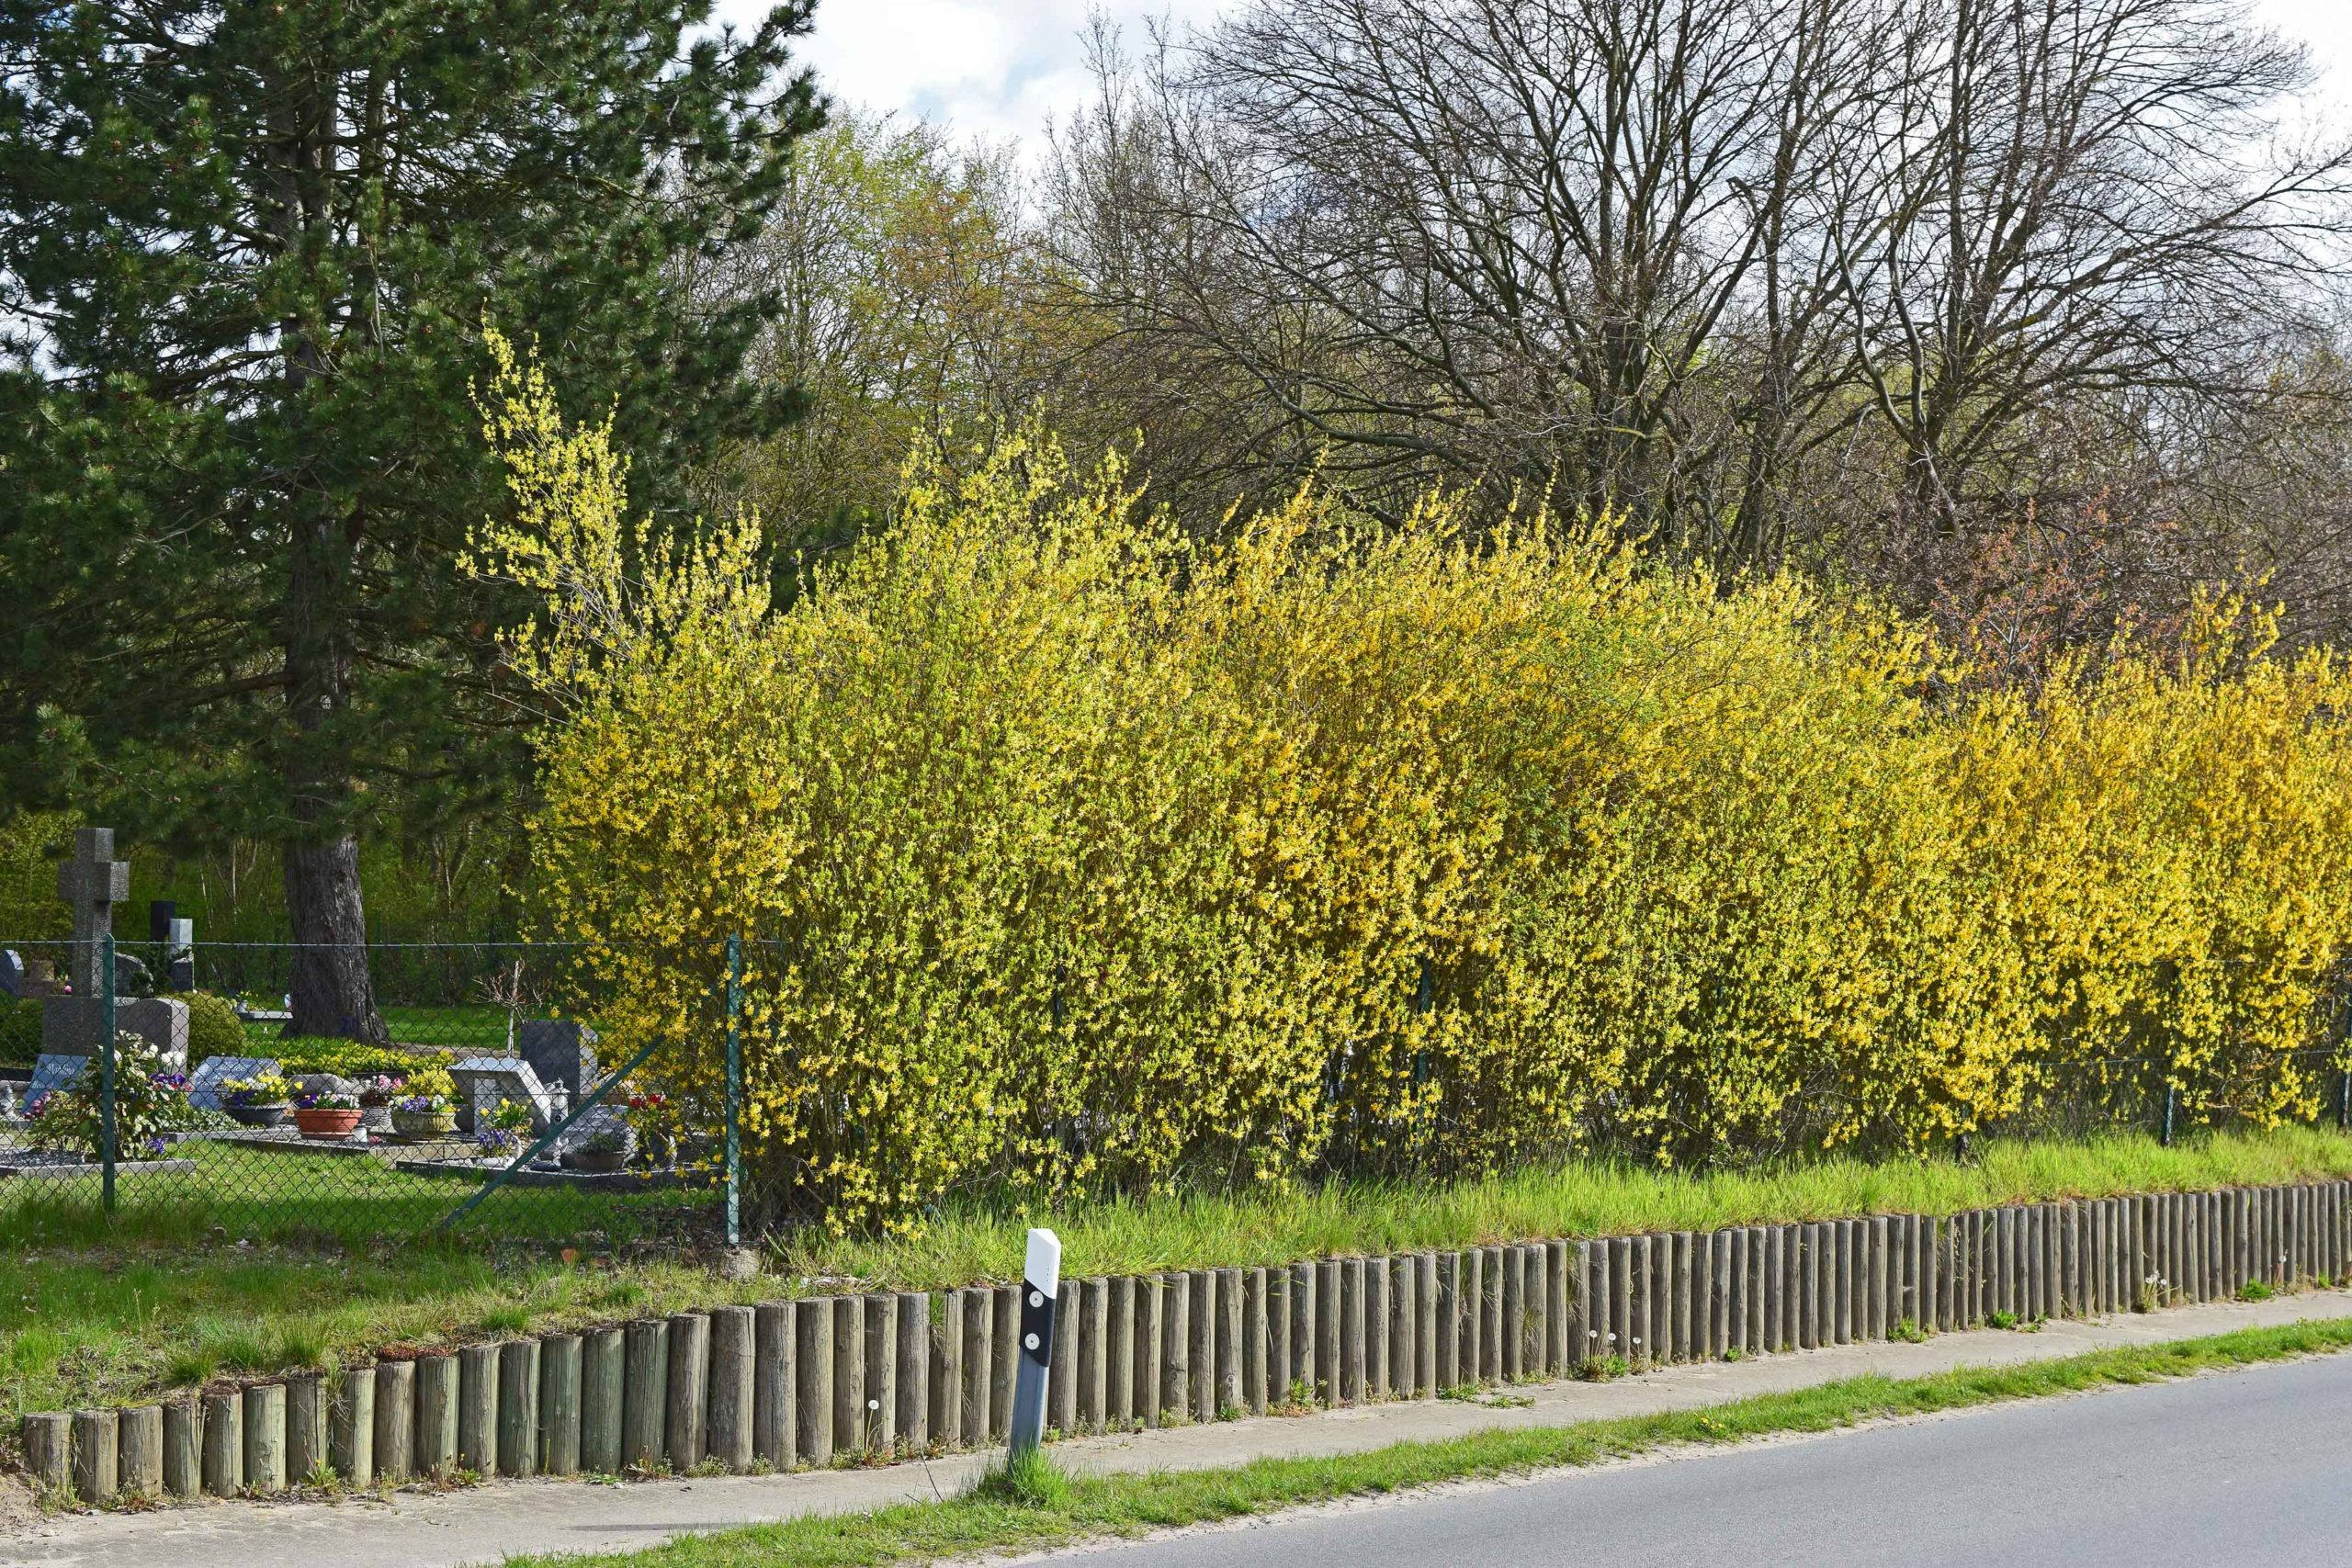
[(834, 1378)]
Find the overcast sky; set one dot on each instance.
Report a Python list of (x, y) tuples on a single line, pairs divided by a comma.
[(998, 68)]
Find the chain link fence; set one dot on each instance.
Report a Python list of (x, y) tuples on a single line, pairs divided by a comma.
[(180, 1094)]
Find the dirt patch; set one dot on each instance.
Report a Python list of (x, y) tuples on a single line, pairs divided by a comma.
[(17, 1512)]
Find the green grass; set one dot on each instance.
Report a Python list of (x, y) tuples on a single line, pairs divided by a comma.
[(161, 1302), (471, 1027), (1033, 1512), (983, 1240)]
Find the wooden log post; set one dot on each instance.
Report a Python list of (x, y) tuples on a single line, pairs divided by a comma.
[(812, 1393), (562, 1363), (1094, 1351), (947, 1369), (1061, 1357), (849, 1375), (1534, 1309), (184, 1449), (1403, 1331), (139, 1451), (912, 1325), (518, 1407), (682, 1422), (1176, 1347), (1201, 1284), (645, 1393), (351, 1430), (604, 1400), (264, 1438), (49, 1453), (1352, 1331), (1305, 1283), (395, 1420), (980, 1341), (881, 1374), (1331, 1329), (1228, 1343), (1004, 1359), (1151, 1310), (772, 1386), (306, 1427), (434, 1449), (97, 1453), (730, 1387), (478, 1409), (1119, 1355)]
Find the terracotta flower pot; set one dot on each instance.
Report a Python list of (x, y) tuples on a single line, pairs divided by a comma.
[(326, 1123)]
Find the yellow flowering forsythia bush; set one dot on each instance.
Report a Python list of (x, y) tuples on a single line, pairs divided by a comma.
[(1072, 853)]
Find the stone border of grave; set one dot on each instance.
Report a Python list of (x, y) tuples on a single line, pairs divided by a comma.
[(855, 1379)]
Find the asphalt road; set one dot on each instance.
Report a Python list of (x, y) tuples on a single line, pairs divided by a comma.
[(2237, 1468)]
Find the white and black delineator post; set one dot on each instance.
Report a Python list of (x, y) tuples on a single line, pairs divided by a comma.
[(1040, 1283)]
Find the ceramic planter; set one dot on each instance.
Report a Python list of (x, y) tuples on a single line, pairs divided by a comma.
[(424, 1126), (325, 1123)]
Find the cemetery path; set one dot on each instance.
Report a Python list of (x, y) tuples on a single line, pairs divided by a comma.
[(484, 1523)]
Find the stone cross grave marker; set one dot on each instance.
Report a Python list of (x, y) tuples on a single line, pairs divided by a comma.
[(92, 883)]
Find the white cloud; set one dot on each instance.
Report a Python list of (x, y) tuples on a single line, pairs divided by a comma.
[(989, 67)]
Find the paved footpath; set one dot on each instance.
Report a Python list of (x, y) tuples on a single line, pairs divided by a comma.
[(482, 1524)]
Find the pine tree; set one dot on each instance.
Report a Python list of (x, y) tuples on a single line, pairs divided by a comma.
[(246, 254)]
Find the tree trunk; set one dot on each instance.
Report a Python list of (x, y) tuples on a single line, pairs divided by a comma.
[(331, 991)]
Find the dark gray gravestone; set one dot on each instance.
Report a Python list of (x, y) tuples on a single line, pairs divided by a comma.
[(204, 1084), (132, 976), (52, 1072), (12, 975), (561, 1051)]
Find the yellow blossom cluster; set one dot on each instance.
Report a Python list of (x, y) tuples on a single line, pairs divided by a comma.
[(1068, 850)]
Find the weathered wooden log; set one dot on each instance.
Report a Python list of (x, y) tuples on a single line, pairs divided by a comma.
[(563, 1362), (733, 1390), (604, 1400), (264, 1438)]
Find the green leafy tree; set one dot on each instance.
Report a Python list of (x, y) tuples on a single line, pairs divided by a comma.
[(245, 255)]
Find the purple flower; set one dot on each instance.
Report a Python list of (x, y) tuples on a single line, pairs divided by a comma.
[(156, 1146)]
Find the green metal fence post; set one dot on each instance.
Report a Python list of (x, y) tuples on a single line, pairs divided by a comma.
[(2171, 1096), (734, 1090), (106, 1071)]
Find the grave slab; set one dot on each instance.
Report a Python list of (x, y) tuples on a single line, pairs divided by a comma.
[(484, 1081), (204, 1085), (52, 1072)]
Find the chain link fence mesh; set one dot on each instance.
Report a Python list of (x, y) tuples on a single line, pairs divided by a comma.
[(493, 1105)]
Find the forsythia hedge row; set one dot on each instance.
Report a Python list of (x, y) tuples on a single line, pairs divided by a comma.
[(1069, 850)]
